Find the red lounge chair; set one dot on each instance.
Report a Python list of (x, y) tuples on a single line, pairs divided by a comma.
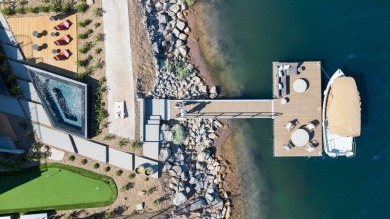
[(64, 25), (63, 55), (64, 40)]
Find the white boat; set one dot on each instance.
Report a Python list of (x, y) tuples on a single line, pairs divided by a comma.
[(341, 116)]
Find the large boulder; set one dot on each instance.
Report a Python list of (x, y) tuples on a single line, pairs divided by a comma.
[(197, 203), (180, 25), (179, 199)]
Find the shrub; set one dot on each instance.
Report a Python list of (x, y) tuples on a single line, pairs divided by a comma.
[(5, 68), (107, 168), (147, 179), (135, 144), (20, 11), (132, 175), (190, 2), (96, 25), (181, 70), (7, 11), (98, 65), (31, 10), (96, 165), (98, 37), (156, 202), (178, 134), (85, 48), (118, 172), (167, 66), (150, 191), (98, 12), (89, 31), (44, 9), (122, 142), (89, 57), (16, 90), (81, 7), (80, 76), (109, 215), (84, 161), (98, 50), (84, 23), (109, 137), (82, 63), (82, 36), (71, 158)]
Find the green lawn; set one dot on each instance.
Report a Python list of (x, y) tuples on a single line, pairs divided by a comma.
[(54, 186)]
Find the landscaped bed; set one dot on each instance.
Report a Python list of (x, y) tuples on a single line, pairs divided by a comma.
[(54, 186)]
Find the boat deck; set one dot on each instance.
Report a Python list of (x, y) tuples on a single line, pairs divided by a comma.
[(304, 107)]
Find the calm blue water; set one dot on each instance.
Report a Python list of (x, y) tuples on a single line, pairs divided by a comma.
[(352, 35)]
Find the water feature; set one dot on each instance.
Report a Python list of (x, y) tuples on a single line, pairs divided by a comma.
[(351, 35), (64, 100)]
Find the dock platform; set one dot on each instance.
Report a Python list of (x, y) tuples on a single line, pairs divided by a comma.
[(302, 107)]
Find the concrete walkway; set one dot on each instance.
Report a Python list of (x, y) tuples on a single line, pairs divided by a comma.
[(119, 71)]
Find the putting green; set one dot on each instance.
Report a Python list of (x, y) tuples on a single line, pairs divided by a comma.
[(54, 186)]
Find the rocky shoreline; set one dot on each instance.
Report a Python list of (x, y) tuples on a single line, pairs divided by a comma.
[(195, 174)]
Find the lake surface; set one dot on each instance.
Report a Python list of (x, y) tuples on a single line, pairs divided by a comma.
[(352, 35)]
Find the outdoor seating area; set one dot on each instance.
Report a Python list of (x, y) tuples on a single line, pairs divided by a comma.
[(48, 42), (284, 71), (297, 129)]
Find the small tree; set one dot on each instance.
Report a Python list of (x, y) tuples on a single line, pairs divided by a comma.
[(96, 165), (84, 161), (107, 168)]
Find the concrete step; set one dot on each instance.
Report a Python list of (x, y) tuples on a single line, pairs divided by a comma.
[(153, 122), (155, 117)]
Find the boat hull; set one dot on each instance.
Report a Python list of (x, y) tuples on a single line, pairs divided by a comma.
[(335, 145)]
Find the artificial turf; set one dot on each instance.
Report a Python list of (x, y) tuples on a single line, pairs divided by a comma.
[(52, 187)]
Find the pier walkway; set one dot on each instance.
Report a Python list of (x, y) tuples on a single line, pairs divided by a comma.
[(223, 109)]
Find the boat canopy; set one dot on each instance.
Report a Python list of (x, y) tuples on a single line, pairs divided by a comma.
[(343, 108)]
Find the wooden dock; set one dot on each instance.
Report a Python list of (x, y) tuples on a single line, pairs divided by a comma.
[(304, 107), (224, 109), (23, 28)]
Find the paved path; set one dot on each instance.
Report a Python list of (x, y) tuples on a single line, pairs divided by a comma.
[(119, 72)]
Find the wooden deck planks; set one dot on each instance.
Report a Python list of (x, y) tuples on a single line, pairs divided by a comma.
[(305, 107), (224, 108), (23, 28)]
